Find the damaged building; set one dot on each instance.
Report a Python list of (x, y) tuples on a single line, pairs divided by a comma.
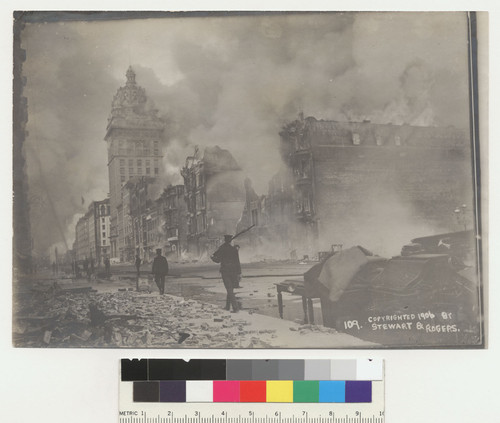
[(215, 196), (353, 182), (172, 207), (146, 218), (276, 225)]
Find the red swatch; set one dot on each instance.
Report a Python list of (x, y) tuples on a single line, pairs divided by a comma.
[(253, 391)]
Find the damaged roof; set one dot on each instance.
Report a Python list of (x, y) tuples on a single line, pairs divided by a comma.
[(217, 159)]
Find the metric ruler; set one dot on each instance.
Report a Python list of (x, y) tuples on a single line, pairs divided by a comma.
[(257, 413)]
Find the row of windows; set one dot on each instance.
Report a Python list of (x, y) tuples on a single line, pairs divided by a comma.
[(139, 172), (137, 144), (356, 139), (137, 148), (138, 162)]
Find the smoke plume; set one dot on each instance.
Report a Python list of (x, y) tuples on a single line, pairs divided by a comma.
[(228, 81)]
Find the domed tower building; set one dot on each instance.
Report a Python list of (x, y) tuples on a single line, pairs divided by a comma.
[(134, 138)]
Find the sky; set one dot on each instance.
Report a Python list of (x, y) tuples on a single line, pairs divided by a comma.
[(231, 81)]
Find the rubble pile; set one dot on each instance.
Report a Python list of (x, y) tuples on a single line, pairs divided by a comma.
[(131, 319)]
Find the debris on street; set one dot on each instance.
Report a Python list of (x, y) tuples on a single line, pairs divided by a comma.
[(136, 319)]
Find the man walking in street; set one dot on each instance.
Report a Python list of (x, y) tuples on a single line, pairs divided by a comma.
[(138, 265), (230, 269), (160, 270)]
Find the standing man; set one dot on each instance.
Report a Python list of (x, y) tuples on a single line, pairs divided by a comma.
[(230, 269), (138, 264), (160, 270)]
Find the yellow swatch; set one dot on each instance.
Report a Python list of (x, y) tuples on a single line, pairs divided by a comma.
[(279, 391)]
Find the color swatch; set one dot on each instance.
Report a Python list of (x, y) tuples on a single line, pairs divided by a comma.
[(272, 381)]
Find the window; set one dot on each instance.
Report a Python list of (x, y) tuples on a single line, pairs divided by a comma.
[(139, 170), (122, 171), (103, 220), (130, 162), (148, 163), (148, 171), (104, 234), (156, 148), (131, 170), (157, 171), (103, 227), (122, 162), (103, 242), (139, 162), (122, 179)]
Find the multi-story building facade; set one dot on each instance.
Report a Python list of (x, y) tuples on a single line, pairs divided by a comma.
[(102, 230), (215, 197), (145, 220), (92, 238), (363, 183), (172, 206), (82, 247), (134, 138)]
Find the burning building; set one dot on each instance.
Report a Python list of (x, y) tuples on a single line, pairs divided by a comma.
[(145, 218), (215, 196), (173, 210), (364, 183)]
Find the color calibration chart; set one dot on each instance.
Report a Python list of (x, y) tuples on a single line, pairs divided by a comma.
[(251, 391)]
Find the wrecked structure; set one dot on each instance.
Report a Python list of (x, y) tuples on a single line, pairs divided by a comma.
[(215, 196), (133, 136), (425, 298), (146, 218), (172, 207), (92, 237), (274, 218), (351, 182)]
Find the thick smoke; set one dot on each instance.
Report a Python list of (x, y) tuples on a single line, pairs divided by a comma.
[(227, 81)]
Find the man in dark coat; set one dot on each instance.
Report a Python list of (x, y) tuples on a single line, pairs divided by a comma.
[(160, 270), (230, 269), (138, 262)]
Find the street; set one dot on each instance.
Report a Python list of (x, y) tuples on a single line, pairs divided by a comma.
[(54, 311)]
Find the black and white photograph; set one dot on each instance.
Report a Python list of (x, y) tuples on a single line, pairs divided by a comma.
[(247, 180)]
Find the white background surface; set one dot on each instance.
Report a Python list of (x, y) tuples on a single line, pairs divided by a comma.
[(56, 385)]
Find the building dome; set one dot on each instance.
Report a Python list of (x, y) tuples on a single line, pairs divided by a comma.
[(129, 99)]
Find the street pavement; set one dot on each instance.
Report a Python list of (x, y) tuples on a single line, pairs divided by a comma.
[(189, 315)]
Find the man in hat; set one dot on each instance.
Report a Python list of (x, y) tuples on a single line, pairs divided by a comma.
[(230, 269), (160, 270), (138, 263)]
